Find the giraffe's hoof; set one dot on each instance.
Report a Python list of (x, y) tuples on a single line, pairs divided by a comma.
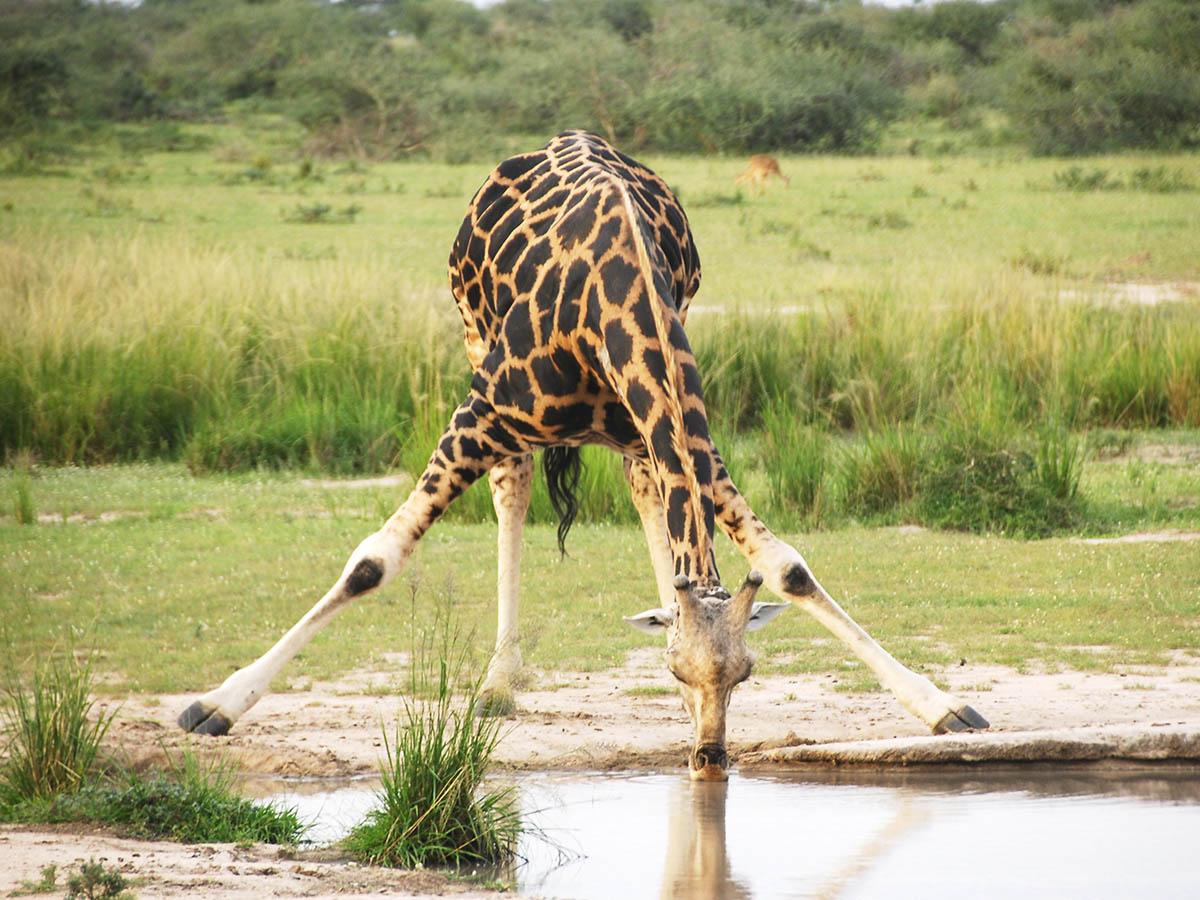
[(495, 703), (962, 719), (201, 719)]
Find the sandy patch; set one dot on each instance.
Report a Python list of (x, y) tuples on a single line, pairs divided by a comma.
[(577, 720), (212, 871), (381, 481)]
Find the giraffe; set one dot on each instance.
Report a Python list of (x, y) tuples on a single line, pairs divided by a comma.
[(572, 270)]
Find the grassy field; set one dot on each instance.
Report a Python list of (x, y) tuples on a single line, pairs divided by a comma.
[(884, 341), (197, 576), (205, 296)]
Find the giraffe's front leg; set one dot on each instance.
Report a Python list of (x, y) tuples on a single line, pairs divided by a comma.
[(377, 560), (511, 482), (468, 448), (787, 575)]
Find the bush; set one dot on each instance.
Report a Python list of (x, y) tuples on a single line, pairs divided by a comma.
[(1097, 89), (982, 479), (434, 808), (51, 740), (31, 77)]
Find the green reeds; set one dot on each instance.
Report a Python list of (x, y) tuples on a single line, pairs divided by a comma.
[(51, 738), (795, 456), (435, 808), (123, 349), (881, 471), (51, 772), (23, 509)]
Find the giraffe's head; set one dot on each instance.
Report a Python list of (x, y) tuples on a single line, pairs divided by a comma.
[(707, 654)]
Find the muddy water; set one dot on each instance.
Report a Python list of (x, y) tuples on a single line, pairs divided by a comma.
[(1027, 832)]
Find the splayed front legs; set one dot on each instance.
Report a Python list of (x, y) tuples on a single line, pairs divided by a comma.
[(463, 454), (788, 576)]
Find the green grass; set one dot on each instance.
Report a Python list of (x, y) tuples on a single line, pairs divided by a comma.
[(210, 571), (52, 770), (193, 801), (51, 736), (434, 806), (157, 305), (156, 308)]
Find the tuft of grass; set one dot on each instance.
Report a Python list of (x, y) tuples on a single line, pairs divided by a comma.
[(24, 510), (795, 458), (51, 739), (882, 471), (94, 881), (48, 883), (650, 690), (194, 800), (1039, 262), (1160, 180), (1106, 443), (865, 684), (320, 213), (434, 806), (982, 477), (1074, 178)]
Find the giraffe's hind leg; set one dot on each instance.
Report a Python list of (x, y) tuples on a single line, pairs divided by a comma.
[(787, 575), (511, 481), (472, 443), (646, 500)]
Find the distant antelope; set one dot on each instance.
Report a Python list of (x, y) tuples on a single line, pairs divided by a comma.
[(762, 166)]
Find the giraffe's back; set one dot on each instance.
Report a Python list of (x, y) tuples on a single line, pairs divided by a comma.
[(541, 211)]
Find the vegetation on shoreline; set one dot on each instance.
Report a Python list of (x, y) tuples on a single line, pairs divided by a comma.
[(53, 771), (435, 809)]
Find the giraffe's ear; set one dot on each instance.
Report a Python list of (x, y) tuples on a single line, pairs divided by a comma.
[(762, 613), (652, 621)]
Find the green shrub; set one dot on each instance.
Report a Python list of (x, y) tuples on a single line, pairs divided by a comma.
[(435, 808), (94, 881), (881, 471), (982, 479), (51, 740)]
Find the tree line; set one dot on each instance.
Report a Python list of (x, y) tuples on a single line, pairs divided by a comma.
[(388, 78)]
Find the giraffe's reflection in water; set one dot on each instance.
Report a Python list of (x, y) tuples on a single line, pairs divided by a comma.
[(697, 863)]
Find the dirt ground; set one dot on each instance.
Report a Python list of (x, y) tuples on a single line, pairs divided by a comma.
[(565, 721)]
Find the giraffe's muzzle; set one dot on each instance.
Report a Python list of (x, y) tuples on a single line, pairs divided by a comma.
[(709, 763)]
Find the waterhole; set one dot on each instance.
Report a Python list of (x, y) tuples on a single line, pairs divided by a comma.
[(1029, 832)]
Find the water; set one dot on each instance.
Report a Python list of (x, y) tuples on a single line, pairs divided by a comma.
[(1032, 832)]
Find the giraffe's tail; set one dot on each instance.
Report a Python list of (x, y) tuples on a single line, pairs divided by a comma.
[(563, 466)]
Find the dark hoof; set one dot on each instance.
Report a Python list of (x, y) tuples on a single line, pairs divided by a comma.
[(965, 719), (495, 705), (201, 720)]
